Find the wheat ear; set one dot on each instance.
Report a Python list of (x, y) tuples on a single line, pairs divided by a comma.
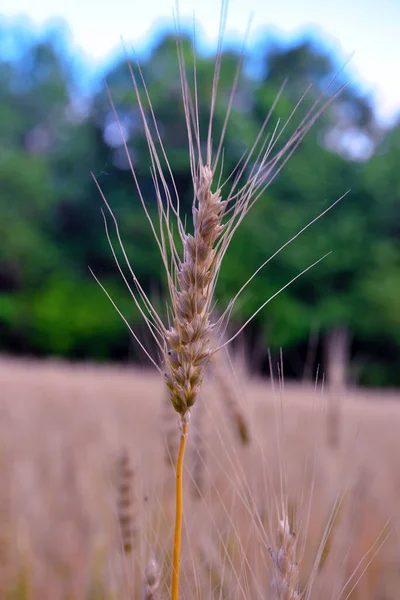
[(285, 570), (125, 502), (230, 397), (189, 340)]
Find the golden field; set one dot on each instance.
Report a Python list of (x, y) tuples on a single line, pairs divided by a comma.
[(63, 429)]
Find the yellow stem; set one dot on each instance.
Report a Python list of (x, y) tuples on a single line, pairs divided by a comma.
[(178, 514)]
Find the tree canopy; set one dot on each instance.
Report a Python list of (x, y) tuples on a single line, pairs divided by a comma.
[(51, 227)]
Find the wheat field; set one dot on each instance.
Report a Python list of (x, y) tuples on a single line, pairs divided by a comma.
[(65, 427)]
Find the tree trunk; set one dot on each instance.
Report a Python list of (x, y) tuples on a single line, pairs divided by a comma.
[(337, 344), (309, 373)]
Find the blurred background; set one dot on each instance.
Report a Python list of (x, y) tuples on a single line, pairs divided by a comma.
[(57, 126)]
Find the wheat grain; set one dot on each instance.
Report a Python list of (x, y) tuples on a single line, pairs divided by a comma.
[(152, 580)]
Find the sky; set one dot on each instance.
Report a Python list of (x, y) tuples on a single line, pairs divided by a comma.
[(368, 31)]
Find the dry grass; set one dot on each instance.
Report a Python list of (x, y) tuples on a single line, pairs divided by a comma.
[(63, 429), (87, 499)]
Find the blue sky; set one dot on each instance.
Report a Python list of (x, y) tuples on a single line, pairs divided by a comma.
[(368, 28)]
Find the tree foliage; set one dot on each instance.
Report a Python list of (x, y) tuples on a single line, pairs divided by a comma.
[(51, 227)]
